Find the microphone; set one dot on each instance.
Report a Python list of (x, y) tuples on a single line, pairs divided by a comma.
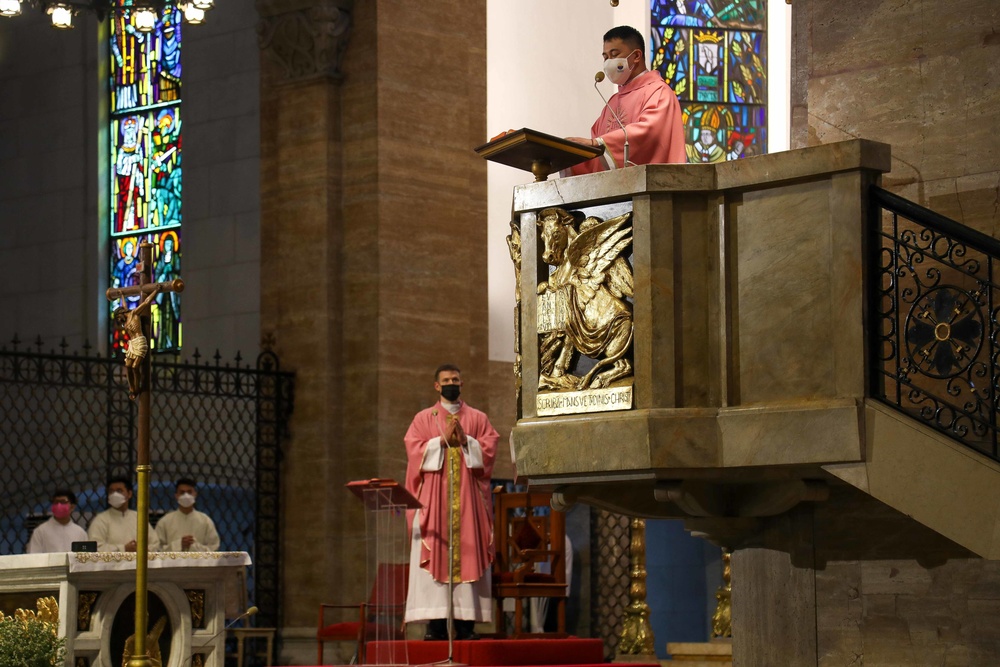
[(597, 79)]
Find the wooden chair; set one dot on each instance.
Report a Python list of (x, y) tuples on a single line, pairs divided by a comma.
[(381, 617), (243, 634), (530, 538)]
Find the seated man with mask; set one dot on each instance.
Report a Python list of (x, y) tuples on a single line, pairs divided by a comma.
[(114, 529), (59, 532), (187, 529)]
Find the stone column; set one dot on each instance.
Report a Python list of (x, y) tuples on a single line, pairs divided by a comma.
[(373, 225), (774, 595), (303, 44)]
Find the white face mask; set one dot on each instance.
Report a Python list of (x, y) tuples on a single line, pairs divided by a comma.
[(117, 500), (186, 500), (617, 69)]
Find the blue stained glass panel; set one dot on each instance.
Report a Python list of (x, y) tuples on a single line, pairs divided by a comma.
[(165, 312), (747, 70), (672, 57), (145, 67), (145, 163), (713, 55), (717, 132)]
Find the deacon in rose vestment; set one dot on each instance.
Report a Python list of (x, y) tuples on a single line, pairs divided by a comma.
[(454, 439), (645, 105)]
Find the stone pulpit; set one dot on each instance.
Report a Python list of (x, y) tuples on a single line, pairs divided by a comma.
[(690, 337)]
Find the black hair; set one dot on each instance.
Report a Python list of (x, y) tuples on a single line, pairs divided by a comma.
[(629, 35), (70, 496), (187, 481), (120, 478), (446, 367)]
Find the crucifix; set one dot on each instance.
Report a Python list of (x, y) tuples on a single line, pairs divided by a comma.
[(136, 323)]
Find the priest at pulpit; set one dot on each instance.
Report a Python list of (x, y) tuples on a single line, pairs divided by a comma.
[(644, 114), (114, 529)]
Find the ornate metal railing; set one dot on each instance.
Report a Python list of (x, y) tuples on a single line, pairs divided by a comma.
[(66, 421), (933, 320)]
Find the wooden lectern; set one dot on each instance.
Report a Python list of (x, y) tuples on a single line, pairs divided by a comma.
[(539, 153)]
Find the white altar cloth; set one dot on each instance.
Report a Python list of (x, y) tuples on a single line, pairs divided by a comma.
[(104, 561)]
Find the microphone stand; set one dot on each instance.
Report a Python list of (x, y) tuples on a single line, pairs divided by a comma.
[(597, 79), (249, 612)]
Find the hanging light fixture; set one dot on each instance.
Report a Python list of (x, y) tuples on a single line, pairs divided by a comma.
[(193, 15), (10, 7), (144, 18), (61, 14), (145, 12)]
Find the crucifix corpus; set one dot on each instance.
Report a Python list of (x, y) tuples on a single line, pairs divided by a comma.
[(136, 324)]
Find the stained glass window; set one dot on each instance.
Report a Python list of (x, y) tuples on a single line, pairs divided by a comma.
[(713, 54), (145, 162)]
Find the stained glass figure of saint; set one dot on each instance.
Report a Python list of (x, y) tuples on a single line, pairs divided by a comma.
[(144, 85), (713, 54)]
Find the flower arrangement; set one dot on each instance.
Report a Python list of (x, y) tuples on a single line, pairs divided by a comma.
[(31, 639)]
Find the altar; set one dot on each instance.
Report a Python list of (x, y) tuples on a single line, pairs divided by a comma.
[(190, 597)]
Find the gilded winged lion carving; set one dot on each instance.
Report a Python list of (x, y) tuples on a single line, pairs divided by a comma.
[(591, 282)]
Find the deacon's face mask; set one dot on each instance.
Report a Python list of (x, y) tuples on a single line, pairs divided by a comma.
[(186, 500), (450, 392), (117, 500)]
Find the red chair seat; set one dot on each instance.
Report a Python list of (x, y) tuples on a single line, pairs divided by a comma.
[(346, 631), (380, 617)]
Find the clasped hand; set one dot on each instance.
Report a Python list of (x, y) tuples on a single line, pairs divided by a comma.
[(454, 435)]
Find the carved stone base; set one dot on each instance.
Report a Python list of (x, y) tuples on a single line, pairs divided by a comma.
[(707, 654)]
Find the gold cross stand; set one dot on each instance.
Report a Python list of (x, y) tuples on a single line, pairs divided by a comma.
[(136, 323)]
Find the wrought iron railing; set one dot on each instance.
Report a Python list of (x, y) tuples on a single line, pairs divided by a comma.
[(933, 320), (66, 421)]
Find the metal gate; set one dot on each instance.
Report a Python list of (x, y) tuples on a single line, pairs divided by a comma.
[(66, 422)]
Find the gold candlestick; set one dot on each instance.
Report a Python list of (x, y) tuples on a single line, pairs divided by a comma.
[(637, 633), (722, 619)]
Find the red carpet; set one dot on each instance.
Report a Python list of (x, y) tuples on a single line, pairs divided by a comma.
[(497, 652)]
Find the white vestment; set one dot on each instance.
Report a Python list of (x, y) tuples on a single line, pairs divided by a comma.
[(112, 530), (54, 537), (175, 525), (427, 599)]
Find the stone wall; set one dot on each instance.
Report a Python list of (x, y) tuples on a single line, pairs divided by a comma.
[(53, 244), (372, 261), (923, 76), (48, 201), (850, 581), (222, 182)]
